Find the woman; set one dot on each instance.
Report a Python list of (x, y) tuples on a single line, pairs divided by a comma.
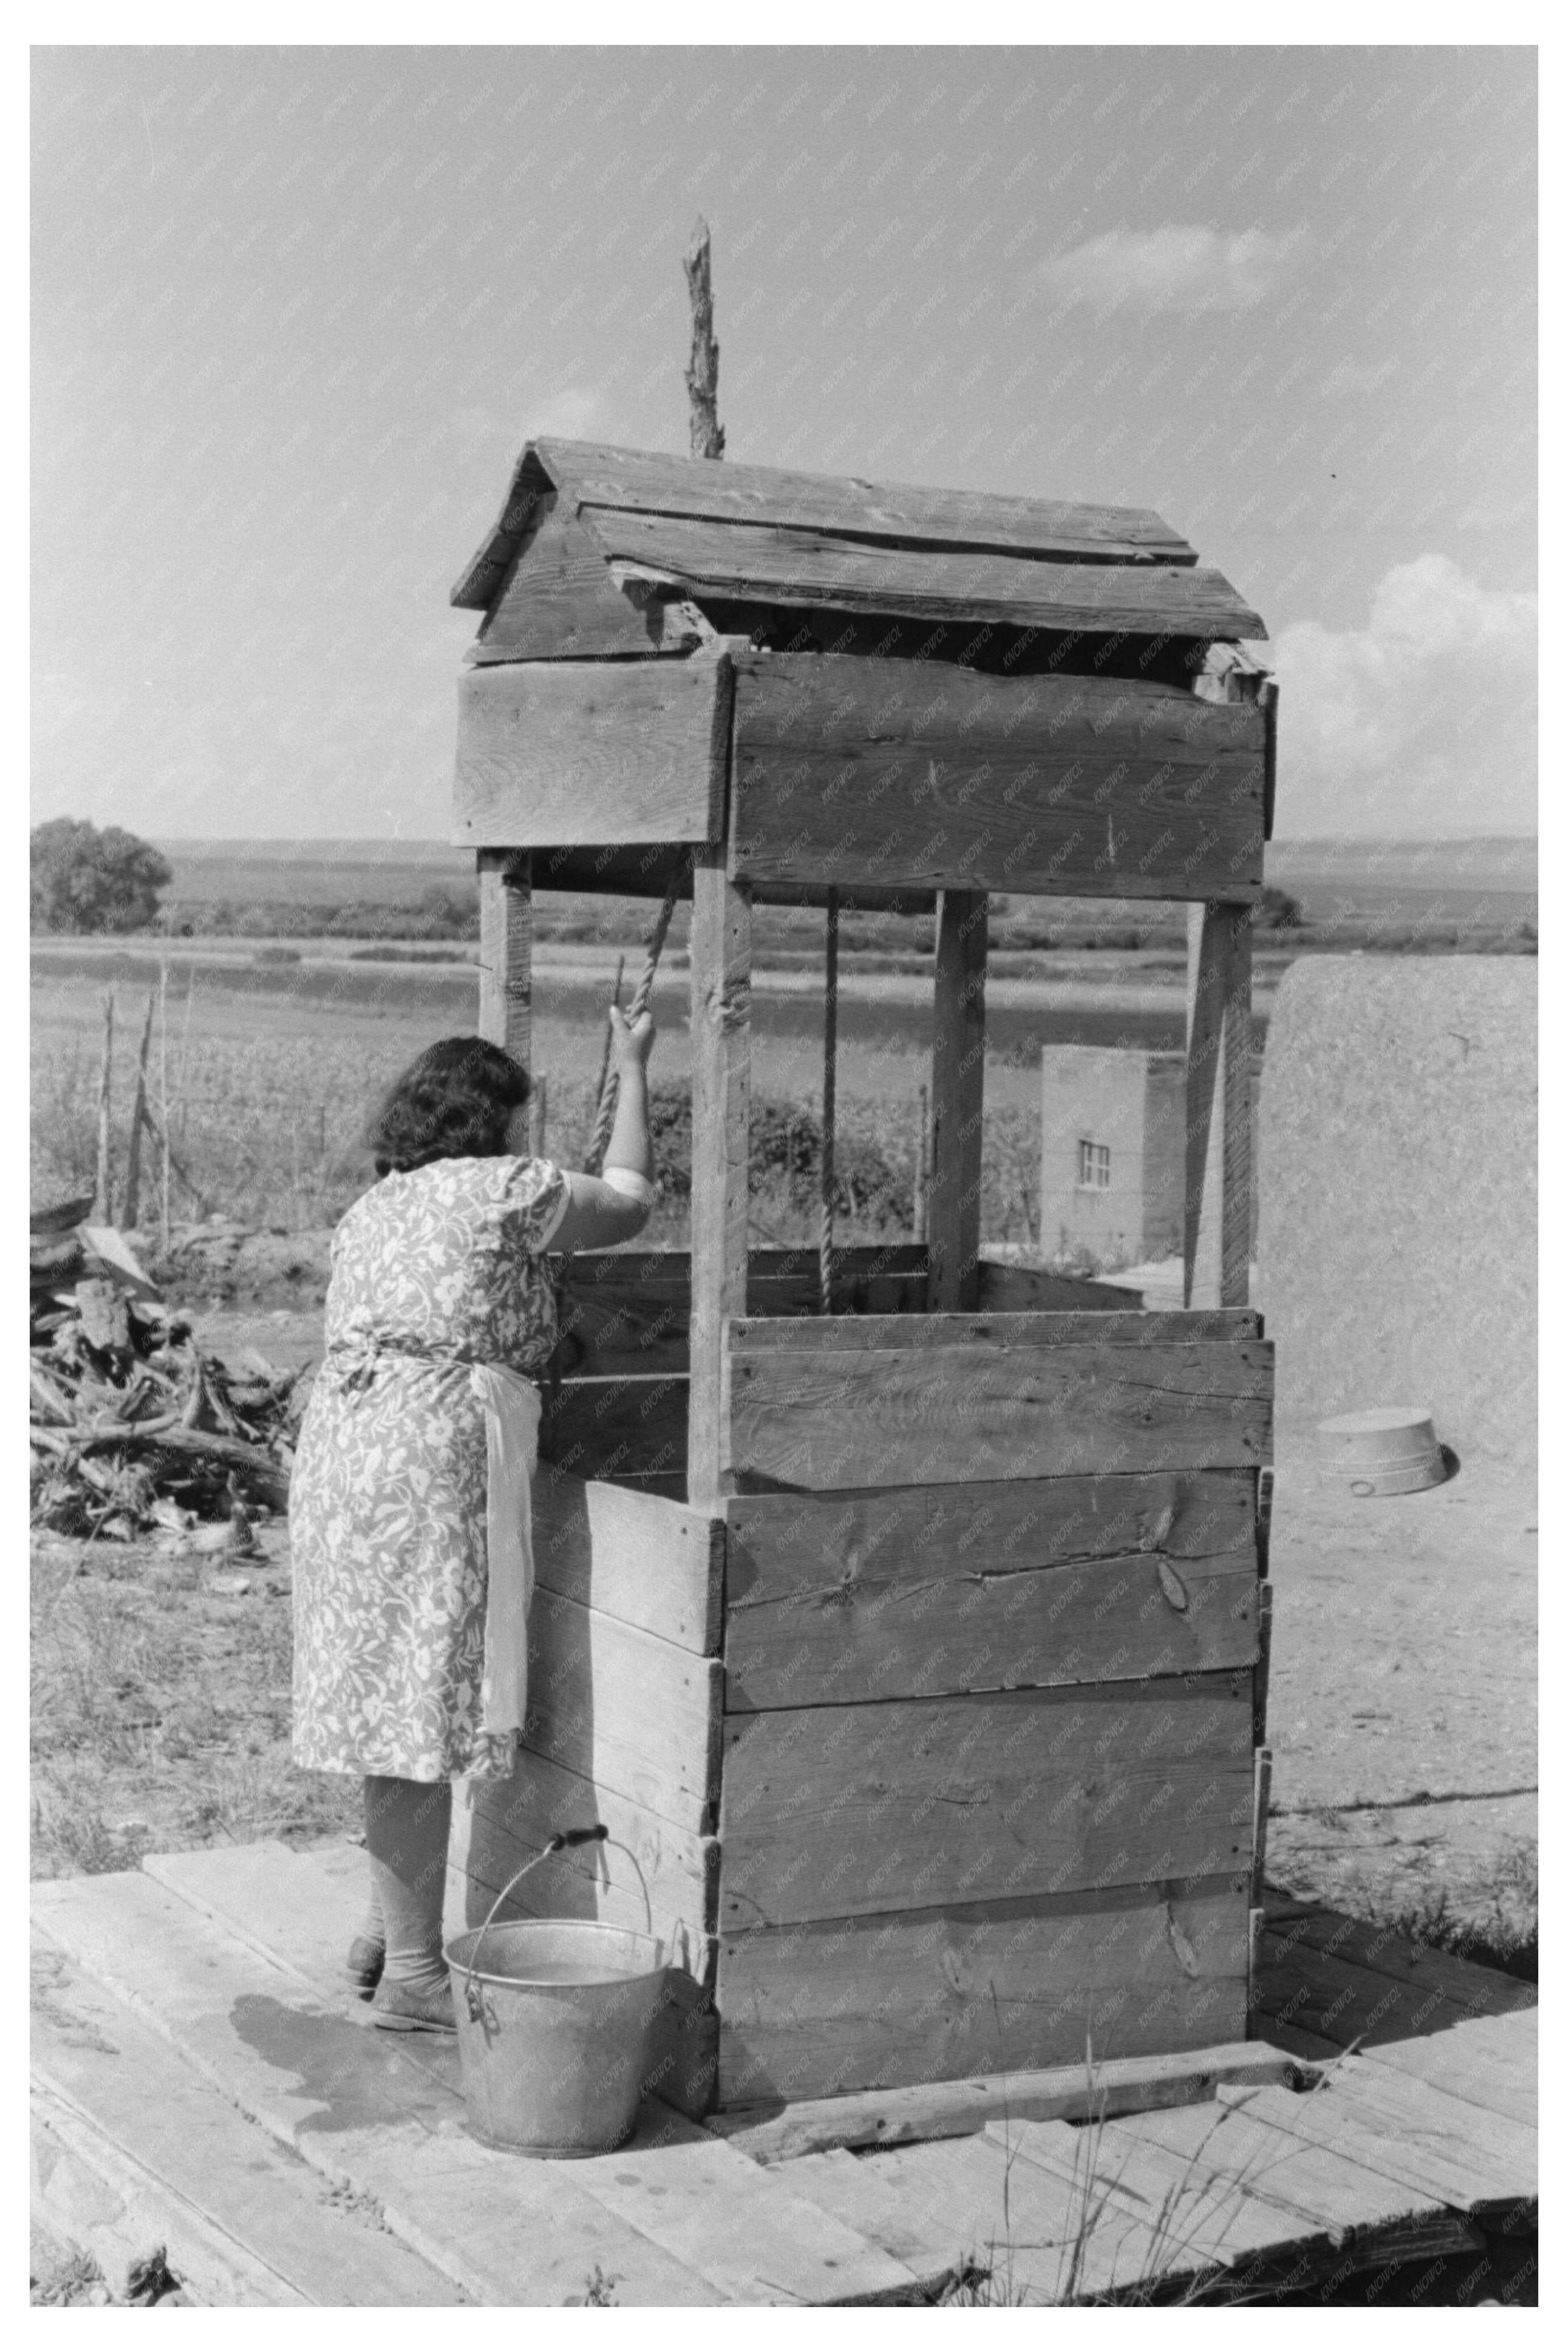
[(408, 1507)]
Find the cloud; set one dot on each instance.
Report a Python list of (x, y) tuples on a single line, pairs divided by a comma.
[(572, 411), (1176, 268), (1424, 721)]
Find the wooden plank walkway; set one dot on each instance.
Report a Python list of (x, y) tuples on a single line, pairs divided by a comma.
[(200, 2080)]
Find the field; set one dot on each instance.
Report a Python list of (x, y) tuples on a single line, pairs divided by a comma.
[(273, 1066)]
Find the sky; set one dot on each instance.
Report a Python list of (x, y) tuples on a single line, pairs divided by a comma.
[(295, 312)]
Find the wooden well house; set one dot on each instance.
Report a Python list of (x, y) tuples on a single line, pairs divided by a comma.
[(912, 1647)]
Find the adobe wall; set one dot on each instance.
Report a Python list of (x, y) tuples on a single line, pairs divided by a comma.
[(1397, 1194)]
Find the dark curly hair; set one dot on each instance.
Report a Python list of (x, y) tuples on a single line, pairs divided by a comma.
[(453, 1103)]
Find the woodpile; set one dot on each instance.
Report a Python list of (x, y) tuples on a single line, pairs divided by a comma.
[(133, 1427)]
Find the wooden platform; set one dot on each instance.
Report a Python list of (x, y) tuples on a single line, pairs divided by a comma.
[(199, 2082)]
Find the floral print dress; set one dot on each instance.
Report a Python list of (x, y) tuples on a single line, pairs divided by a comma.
[(433, 1272)]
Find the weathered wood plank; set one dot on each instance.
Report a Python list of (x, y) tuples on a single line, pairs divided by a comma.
[(1217, 1223), (1432, 2149), (651, 1563), (624, 1710), (1334, 1995), (721, 1147), (864, 2002), (358, 2105), (558, 600), (958, 1101), (928, 2111), (614, 1428), (955, 1415), (836, 2183), (506, 952), (936, 1626), (1499, 2081), (629, 1311), (915, 773), (644, 481), (787, 564), (1196, 2227), (1030, 1289), (243, 2219), (577, 752), (836, 1811), (1258, 2147), (89, 2196), (743, 2229), (990, 1327)]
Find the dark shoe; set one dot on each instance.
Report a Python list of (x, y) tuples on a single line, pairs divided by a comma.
[(367, 1957), (402, 2010)]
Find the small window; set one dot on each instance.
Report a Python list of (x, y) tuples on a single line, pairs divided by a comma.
[(1093, 1165)]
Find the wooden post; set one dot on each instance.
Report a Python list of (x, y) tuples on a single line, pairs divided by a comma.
[(830, 1100), (102, 1201), (163, 1231), (721, 1142), (922, 1146), (506, 950), (958, 1102), (538, 1102), (1217, 1225), (132, 1204)]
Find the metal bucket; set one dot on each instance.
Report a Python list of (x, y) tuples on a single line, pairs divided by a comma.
[(556, 2023), (1391, 1450)]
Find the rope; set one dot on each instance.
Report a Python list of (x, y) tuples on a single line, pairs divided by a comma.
[(829, 1094), (594, 1160)]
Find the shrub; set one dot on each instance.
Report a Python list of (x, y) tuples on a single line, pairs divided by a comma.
[(86, 880)]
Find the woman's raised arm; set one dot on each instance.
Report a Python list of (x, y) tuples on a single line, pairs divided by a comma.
[(613, 1208)]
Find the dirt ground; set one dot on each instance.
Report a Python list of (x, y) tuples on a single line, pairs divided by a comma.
[(1402, 1711)]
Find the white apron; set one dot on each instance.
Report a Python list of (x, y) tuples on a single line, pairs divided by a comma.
[(511, 1406)]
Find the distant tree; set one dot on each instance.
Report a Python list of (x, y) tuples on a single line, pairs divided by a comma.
[(88, 880), (1278, 911)]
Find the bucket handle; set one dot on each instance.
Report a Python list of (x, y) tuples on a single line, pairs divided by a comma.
[(556, 1843)]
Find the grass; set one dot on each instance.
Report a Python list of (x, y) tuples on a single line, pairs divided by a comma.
[(161, 1713)]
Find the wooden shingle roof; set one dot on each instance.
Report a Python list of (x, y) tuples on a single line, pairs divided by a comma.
[(583, 523)]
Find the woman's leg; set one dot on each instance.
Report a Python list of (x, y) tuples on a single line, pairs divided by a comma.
[(406, 1828)]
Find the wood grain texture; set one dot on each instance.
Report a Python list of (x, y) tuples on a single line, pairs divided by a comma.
[(947, 1415), (1217, 1220), (624, 1710), (616, 1429), (629, 1311), (558, 601), (571, 753), (505, 951), (907, 1591), (840, 1810), (942, 1627), (720, 958), (794, 566), (651, 1563), (919, 773), (868, 1333), (640, 480), (933, 1995), (918, 2111), (957, 1101), (1413, 2134), (243, 2220), (1030, 1289)]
